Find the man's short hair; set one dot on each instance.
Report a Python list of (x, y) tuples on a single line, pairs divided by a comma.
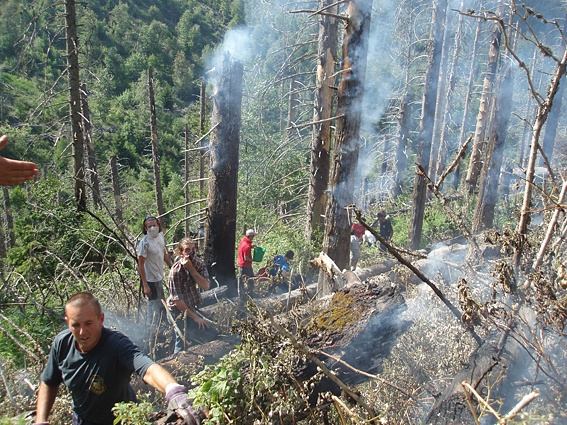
[(380, 214), (289, 255), (82, 299)]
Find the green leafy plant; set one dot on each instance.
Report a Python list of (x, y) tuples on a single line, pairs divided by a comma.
[(133, 413)]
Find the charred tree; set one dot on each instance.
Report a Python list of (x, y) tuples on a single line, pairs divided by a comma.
[(323, 109), (72, 44), (116, 191), (91, 158), (500, 116), (220, 225), (155, 153), (468, 97), (482, 117), (336, 241), (426, 126)]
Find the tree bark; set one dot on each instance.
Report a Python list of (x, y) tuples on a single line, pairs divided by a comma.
[(91, 158), (426, 126), (220, 225), (116, 191), (488, 191), (72, 44), (336, 241), (155, 152), (468, 97), (323, 109), (482, 117)]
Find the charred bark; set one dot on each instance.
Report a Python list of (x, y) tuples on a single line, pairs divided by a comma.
[(72, 43), (426, 127), (488, 191), (323, 109), (482, 117), (220, 224), (336, 242), (116, 191), (155, 152)]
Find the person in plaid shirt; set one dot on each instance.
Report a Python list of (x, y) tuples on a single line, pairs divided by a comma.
[(186, 274)]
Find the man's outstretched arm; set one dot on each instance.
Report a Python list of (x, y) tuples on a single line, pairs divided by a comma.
[(45, 399)]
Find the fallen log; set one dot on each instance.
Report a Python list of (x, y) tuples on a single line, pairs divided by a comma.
[(482, 371)]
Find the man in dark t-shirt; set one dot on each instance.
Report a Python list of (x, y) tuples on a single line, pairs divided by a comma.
[(96, 364)]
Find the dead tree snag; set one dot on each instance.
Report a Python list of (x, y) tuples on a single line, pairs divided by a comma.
[(220, 225)]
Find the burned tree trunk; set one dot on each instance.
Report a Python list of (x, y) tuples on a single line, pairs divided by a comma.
[(116, 191), (91, 158), (220, 225), (72, 43), (323, 109), (155, 153), (468, 97), (426, 127), (336, 242), (482, 118), (488, 191)]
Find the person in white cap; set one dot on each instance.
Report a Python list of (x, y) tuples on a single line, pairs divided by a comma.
[(245, 259)]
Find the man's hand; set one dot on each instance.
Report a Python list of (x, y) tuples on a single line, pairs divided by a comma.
[(147, 290), (178, 404), (203, 324), (14, 172)]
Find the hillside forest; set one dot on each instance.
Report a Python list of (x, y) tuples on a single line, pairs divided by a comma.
[(444, 114)]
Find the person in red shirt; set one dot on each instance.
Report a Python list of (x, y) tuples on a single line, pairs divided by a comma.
[(358, 230), (245, 261)]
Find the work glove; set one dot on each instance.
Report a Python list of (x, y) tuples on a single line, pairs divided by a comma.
[(179, 405)]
